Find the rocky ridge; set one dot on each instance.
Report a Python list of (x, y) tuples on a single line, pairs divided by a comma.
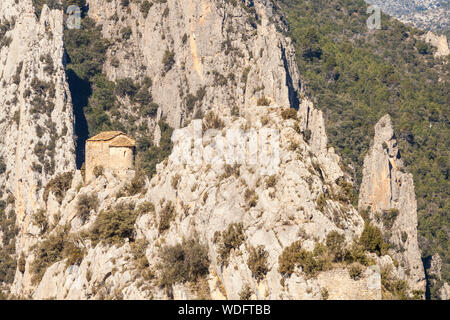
[(387, 192), (241, 59)]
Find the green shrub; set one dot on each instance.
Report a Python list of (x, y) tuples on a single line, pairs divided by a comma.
[(324, 293), (288, 259), (21, 263), (166, 216), (404, 236), (231, 238), (246, 292), (230, 170), (142, 96), (307, 134), (321, 201), (185, 262), (40, 220), (347, 192), (2, 165), (145, 7), (114, 225), (86, 203), (98, 171), (257, 262), (271, 181), (336, 244), (7, 267), (56, 247), (140, 259), (9, 231), (168, 60), (175, 181), (392, 288), (135, 186), (251, 197), (58, 186), (372, 239), (212, 121), (150, 110), (388, 217), (73, 253), (145, 207), (311, 262), (125, 87), (356, 253), (244, 76), (356, 270), (289, 113), (149, 157), (263, 101)]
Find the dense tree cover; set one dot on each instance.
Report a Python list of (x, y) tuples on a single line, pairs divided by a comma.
[(357, 75)]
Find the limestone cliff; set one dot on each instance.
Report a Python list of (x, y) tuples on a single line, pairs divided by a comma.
[(387, 190), (36, 121), (276, 223), (206, 198), (224, 54)]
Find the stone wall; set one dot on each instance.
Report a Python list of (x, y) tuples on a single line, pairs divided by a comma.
[(97, 154), (100, 153), (120, 158)]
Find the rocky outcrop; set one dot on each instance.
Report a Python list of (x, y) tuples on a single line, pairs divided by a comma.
[(387, 190), (439, 42), (435, 277), (207, 198)]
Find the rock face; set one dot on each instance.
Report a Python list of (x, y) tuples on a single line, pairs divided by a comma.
[(388, 191), (223, 54), (36, 118), (440, 42), (206, 200), (435, 276)]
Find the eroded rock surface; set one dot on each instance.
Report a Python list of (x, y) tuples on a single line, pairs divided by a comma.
[(387, 190)]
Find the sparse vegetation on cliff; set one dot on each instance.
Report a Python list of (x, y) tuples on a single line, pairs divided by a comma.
[(257, 262), (356, 76), (114, 225), (58, 186), (166, 216), (56, 247), (86, 203), (230, 239), (9, 231), (184, 262), (372, 239)]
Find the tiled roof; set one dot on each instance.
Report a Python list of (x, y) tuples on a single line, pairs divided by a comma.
[(123, 141), (106, 135)]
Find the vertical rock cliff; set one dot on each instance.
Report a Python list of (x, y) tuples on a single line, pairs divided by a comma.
[(36, 121), (387, 190), (200, 54)]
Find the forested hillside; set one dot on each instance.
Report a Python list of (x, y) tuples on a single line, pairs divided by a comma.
[(357, 75)]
